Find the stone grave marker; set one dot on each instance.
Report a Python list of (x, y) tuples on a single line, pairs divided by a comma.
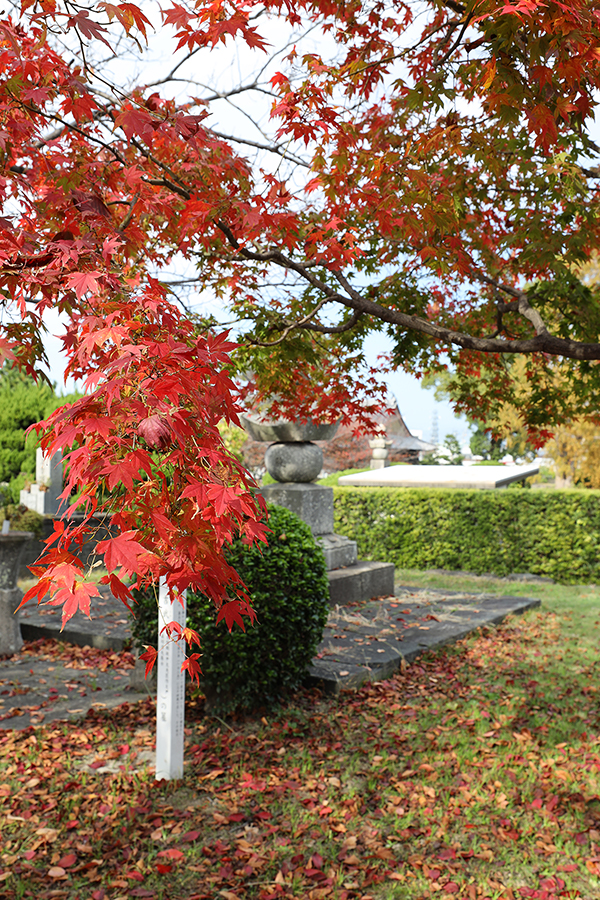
[(43, 495)]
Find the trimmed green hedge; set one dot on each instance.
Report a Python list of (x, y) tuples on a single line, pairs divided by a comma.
[(548, 533)]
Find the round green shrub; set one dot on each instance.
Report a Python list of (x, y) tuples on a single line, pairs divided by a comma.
[(287, 581)]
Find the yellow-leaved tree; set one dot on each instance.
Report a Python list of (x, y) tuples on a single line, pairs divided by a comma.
[(575, 447)]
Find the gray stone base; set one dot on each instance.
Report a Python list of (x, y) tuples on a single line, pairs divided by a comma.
[(91, 637), (313, 503), (339, 550), (389, 642), (138, 681), (10, 632), (359, 582)]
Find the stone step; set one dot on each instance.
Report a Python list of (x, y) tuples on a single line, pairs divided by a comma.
[(339, 551), (361, 581)]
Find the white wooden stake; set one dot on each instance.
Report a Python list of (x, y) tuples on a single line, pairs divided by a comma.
[(170, 693)]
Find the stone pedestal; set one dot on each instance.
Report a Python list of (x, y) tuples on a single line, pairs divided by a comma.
[(11, 550), (314, 505), (10, 632)]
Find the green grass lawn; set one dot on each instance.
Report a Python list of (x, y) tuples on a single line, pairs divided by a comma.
[(474, 773)]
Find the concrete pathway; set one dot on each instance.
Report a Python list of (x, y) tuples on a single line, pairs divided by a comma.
[(364, 642)]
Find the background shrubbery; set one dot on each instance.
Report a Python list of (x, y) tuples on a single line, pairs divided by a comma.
[(22, 403), (548, 533), (290, 592)]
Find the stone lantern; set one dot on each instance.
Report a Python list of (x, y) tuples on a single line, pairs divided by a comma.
[(380, 448), (294, 461)]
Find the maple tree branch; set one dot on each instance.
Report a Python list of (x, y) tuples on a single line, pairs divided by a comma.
[(71, 126), (543, 342), (288, 327), (178, 65), (454, 6), (521, 304), (456, 43), (129, 213), (276, 148), (225, 95), (334, 329)]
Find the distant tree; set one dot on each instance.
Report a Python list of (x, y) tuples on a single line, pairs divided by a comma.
[(484, 444), (575, 446), (575, 451), (454, 452), (450, 453), (499, 427)]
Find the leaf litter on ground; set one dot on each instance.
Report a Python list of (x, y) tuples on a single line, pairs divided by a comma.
[(474, 773)]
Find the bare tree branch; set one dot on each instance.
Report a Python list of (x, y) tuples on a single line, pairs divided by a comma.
[(271, 148)]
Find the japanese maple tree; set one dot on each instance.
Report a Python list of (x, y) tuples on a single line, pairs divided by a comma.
[(425, 168)]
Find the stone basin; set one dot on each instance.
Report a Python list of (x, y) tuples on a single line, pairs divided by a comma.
[(280, 431)]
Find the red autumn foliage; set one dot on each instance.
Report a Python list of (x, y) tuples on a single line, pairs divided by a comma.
[(431, 174)]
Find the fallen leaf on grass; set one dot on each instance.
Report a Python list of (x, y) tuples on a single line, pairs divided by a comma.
[(137, 876), (172, 853), (48, 834), (56, 872)]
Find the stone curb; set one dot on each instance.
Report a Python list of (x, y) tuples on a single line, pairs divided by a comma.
[(363, 642), (385, 647)]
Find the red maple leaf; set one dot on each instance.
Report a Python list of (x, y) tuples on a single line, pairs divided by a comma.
[(82, 282), (75, 599), (149, 656), (234, 611), (191, 665)]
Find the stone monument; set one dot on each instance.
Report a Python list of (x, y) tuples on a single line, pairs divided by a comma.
[(43, 495), (294, 461)]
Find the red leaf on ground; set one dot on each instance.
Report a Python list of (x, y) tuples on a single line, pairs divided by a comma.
[(69, 860), (137, 876), (172, 853), (189, 836)]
